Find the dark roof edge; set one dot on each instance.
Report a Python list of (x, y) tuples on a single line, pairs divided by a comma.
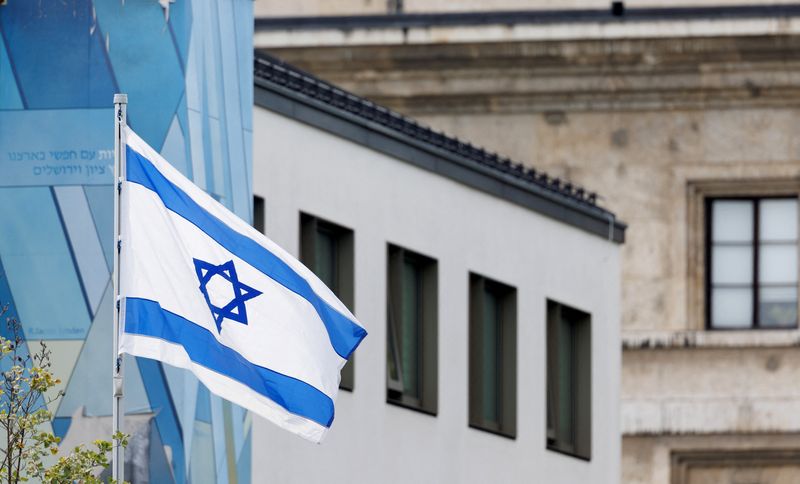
[(293, 98), (411, 20)]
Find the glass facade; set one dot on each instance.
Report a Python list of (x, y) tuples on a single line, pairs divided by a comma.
[(187, 69)]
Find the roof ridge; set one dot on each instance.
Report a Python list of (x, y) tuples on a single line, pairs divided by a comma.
[(270, 68)]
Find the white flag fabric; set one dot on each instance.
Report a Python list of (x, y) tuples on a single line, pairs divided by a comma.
[(203, 290)]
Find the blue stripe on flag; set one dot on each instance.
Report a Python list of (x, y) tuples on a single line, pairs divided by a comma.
[(147, 318), (345, 335)]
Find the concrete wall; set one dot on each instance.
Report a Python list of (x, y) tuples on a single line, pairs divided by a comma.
[(298, 168)]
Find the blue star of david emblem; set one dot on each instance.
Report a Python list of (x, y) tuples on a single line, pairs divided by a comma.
[(235, 310)]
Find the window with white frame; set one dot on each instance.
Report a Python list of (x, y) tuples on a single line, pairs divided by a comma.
[(751, 262)]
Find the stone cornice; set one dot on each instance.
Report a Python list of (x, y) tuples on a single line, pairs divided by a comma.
[(622, 74), (676, 340)]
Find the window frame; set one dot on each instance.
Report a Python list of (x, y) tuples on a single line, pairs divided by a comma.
[(427, 336), (581, 381), (310, 227), (755, 200), (506, 297), (698, 189)]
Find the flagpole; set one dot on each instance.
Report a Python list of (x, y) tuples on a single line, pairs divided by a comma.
[(117, 412)]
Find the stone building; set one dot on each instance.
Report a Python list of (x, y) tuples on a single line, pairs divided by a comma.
[(674, 115)]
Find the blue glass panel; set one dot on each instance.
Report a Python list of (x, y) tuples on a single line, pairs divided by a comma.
[(218, 434), (230, 115), (84, 242), (145, 63), (9, 94), (202, 469), (248, 140), (160, 471), (31, 266), (183, 388), (208, 153), (183, 120), (237, 421), (203, 413), (100, 199), (60, 426), (61, 33), (211, 53), (217, 160), (101, 82), (166, 417), (198, 142), (244, 465), (180, 20), (174, 149), (6, 301), (243, 12)]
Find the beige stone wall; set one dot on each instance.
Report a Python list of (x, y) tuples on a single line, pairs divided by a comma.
[(757, 458), (739, 390), (642, 164)]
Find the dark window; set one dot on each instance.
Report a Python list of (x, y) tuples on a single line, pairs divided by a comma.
[(751, 263), (411, 336), (492, 356), (569, 383), (327, 249), (258, 213)]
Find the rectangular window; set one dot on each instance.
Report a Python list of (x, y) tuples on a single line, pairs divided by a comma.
[(258, 213), (751, 263), (411, 378), (327, 249), (569, 381), (492, 356)]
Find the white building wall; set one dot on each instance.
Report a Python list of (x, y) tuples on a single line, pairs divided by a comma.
[(384, 200)]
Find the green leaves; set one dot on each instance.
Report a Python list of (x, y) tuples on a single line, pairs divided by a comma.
[(27, 379)]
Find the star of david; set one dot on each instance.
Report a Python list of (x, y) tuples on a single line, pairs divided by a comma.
[(235, 310)]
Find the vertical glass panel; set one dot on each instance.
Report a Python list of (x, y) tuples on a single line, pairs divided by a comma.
[(731, 307), (325, 259), (778, 306), (258, 213), (566, 383), (490, 354), (732, 221), (39, 265), (731, 264), (409, 340), (777, 263), (391, 356), (777, 219), (552, 369)]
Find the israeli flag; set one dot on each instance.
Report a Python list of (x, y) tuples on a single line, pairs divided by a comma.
[(203, 290)]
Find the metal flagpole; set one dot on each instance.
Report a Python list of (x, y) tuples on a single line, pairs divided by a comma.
[(117, 413)]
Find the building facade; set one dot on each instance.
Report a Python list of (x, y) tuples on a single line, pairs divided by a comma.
[(186, 67), (490, 293), (685, 120)]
